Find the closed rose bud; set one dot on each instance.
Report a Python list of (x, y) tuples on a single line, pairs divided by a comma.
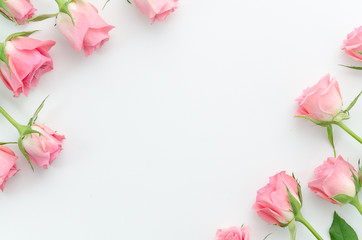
[(353, 44), (272, 201), (156, 9), (28, 59), (42, 149), (334, 177), (322, 102), (233, 233), (7, 165), (89, 31), (21, 9)]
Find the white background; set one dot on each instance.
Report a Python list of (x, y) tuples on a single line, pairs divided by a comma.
[(172, 128)]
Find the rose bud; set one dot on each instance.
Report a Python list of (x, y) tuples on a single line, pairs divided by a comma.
[(88, 32), (322, 102), (21, 10), (156, 9), (336, 181), (233, 233), (353, 44), (7, 165), (42, 149), (272, 201), (28, 59)]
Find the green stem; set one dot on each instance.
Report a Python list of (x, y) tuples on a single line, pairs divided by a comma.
[(349, 131), (357, 204), (18, 126), (302, 220)]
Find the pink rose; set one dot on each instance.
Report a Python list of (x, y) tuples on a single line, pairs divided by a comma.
[(7, 165), (42, 150), (334, 177), (28, 59), (233, 233), (21, 9), (90, 30), (156, 9), (272, 201), (353, 44), (322, 102)]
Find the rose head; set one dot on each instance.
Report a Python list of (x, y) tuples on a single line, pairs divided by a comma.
[(233, 233), (28, 59), (7, 165), (156, 9), (42, 150), (353, 44), (21, 9), (90, 30), (322, 102), (332, 178), (272, 201)]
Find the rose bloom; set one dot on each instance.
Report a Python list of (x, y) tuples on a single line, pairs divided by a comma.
[(28, 59), (353, 44), (332, 178), (322, 102), (7, 165), (233, 233), (42, 150), (90, 30), (156, 9), (272, 201), (21, 9)]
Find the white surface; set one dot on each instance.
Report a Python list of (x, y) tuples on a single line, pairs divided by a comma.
[(172, 128)]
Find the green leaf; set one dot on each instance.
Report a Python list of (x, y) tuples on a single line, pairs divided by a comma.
[(315, 121), (22, 150), (292, 227), (6, 9), (20, 34), (3, 56), (35, 116), (352, 67), (342, 198), (330, 138), (340, 230), (41, 17), (352, 103)]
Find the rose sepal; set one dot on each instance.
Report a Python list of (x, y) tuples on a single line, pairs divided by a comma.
[(40, 17), (20, 34), (63, 8), (292, 227), (352, 67), (3, 6)]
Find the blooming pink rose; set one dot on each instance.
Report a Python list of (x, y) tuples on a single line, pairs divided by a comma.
[(7, 165), (156, 9), (21, 9), (90, 30), (233, 233), (334, 177), (42, 150), (322, 102), (353, 44), (28, 59), (272, 201)]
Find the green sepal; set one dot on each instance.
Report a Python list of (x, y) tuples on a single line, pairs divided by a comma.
[(356, 182), (296, 206), (5, 16), (352, 103), (3, 56), (341, 230), (352, 67), (40, 17), (330, 138), (63, 8), (31, 131), (4, 143), (3, 6), (360, 172), (340, 117), (292, 227), (20, 34), (267, 236), (315, 121), (22, 150), (343, 199), (35, 116), (300, 195)]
